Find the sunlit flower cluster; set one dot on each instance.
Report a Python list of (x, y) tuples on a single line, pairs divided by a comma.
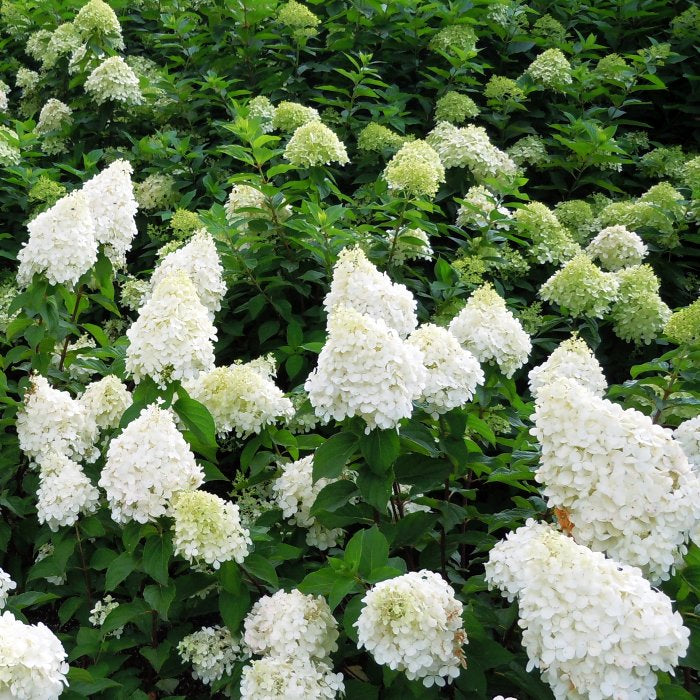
[(315, 144), (415, 170)]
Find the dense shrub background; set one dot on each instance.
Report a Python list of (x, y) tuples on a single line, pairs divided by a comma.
[(608, 136)]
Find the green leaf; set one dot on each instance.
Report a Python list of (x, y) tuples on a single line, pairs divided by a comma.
[(380, 449), (198, 420), (375, 488), (160, 598), (422, 472), (157, 553), (331, 457), (124, 613), (261, 569), (367, 550), (411, 528), (333, 496), (233, 608), (118, 570)]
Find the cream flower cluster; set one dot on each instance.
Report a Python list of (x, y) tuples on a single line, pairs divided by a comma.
[(551, 241), (640, 314), (617, 247), (99, 614), (62, 243), (154, 192), (113, 80), (415, 170), (52, 421), (199, 260), (365, 369), (262, 109), (6, 585), (687, 435), (32, 661), (295, 493), (594, 628), (110, 197), (359, 285), (212, 651), (278, 678), (54, 116), (240, 398), (551, 69), (470, 147), (624, 483), (489, 330), (478, 210), (315, 144), (582, 288), (146, 465), (105, 401), (291, 625), (572, 359), (173, 336), (208, 529), (413, 623), (96, 17), (64, 493), (289, 116), (452, 373)]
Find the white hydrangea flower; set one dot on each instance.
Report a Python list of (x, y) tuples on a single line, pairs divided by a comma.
[(114, 80), (199, 260), (500, 697), (54, 116), (413, 623), (573, 359), (295, 493), (687, 435), (359, 285), (489, 330), (173, 336), (105, 401), (208, 529), (617, 247), (277, 678), (146, 466), (261, 108), (314, 144), (110, 196), (291, 625), (240, 398), (452, 372), (623, 482), (62, 243), (64, 493), (32, 661), (478, 210), (365, 369), (6, 585), (52, 421), (99, 613), (594, 628), (470, 147), (212, 651)]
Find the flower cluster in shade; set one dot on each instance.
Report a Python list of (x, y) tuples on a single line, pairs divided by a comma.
[(639, 314), (490, 332), (32, 661), (409, 244), (146, 465), (415, 170), (101, 610), (617, 247), (551, 69), (241, 398), (413, 623), (551, 241), (6, 585), (246, 203), (212, 651), (480, 208), (113, 80), (455, 107), (295, 492), (687, 434), (470, 147), (295, 634), (624, 630), (626, 486), (683, 326), (378, 138)]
